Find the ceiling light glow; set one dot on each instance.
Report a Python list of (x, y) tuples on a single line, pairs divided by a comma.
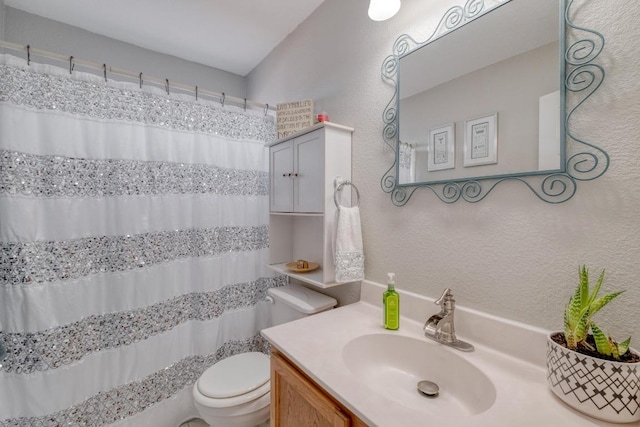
[(380, 10)]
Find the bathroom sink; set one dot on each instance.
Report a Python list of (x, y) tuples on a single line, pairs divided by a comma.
[(392, 365)]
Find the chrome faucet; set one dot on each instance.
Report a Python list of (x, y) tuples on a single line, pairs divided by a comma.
[(440, 328)]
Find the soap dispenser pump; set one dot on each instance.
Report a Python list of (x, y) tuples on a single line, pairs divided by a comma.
[(391, 303)]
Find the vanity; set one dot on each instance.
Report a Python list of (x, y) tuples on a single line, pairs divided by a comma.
[(343, 369), (296, 398)]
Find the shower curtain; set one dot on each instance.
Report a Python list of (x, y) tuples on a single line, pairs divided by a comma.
[(133, 240)]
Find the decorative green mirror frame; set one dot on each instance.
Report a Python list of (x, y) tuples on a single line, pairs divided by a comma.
[(581, 77)]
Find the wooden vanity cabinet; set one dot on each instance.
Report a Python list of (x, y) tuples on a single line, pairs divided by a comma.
[(297, 401)]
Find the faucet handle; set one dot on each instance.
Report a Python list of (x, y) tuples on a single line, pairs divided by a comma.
[(440, 328), (447, 296)]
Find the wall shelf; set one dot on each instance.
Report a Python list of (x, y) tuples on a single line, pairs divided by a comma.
[(296, 214), (313, 277)]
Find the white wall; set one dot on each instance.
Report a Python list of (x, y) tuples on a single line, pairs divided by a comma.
[(24, 28), (2, 13), (511, 254)]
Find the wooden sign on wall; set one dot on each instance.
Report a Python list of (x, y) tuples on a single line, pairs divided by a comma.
[(292, 117)]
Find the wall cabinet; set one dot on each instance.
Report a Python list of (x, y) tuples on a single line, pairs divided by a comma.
[(296, 174), (296, 401), (302, 173)]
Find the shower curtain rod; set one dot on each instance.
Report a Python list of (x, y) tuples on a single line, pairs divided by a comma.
[(139, 76)]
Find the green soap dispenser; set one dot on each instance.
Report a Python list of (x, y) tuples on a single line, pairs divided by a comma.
[(391, 302)]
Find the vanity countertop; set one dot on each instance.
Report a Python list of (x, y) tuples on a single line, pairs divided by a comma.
[(316, 343)]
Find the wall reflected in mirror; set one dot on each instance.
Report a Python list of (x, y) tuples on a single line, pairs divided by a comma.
[(504, 65)]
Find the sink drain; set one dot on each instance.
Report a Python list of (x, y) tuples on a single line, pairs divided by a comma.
[(428, 388)]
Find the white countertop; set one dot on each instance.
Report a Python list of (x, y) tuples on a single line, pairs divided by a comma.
[(315, 344)]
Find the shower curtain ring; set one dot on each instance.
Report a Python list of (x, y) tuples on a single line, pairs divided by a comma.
[(222, 99), (196, 93), (104, 68), (266, 109), (141, 81), (167, 86), (71, 65), (28, 55), (245, 104)]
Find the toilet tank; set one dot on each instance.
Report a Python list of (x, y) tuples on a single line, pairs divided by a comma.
[(292, 302)]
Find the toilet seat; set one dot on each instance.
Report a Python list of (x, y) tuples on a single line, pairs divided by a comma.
[(235, 380)]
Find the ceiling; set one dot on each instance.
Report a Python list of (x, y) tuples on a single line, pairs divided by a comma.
[(231, 35)]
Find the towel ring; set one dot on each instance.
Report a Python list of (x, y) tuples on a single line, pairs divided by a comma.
[(339, 188)]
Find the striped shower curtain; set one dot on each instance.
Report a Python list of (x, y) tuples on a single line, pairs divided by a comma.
[(133, 245)]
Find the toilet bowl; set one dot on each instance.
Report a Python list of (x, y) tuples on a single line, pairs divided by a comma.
[(235, 392)]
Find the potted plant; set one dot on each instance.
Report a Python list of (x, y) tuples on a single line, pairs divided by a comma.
[(587, 369)]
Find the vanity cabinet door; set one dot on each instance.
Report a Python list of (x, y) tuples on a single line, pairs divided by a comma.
[(298, 402), (297, 174)]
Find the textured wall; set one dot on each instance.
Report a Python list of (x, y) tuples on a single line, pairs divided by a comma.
[(511, 254), (25, 28)]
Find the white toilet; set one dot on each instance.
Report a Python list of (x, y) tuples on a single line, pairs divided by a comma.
[(235, 392)]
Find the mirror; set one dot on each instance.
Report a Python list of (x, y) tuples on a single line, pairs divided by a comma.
[(476, 71), (483, 100)]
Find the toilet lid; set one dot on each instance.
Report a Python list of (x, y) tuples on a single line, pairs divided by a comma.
[(235, 376)]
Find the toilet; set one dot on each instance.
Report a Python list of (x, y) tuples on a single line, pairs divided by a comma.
[(235, 392)]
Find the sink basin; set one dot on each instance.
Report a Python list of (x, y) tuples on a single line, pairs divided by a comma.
[(392, 365)]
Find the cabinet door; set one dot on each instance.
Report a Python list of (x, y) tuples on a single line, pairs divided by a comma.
[(308, 163), (296, 402), (281, 177)]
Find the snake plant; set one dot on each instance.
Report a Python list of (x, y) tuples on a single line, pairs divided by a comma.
[(584, 303)]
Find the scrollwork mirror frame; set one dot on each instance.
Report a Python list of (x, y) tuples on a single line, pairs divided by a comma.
[(581, 76)]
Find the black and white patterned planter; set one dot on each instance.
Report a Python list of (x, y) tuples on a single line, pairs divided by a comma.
[(602, 389)]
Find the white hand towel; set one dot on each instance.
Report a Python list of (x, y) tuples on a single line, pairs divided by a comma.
[(349, 256)]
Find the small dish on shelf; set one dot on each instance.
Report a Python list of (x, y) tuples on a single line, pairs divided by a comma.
[(302, 266)]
